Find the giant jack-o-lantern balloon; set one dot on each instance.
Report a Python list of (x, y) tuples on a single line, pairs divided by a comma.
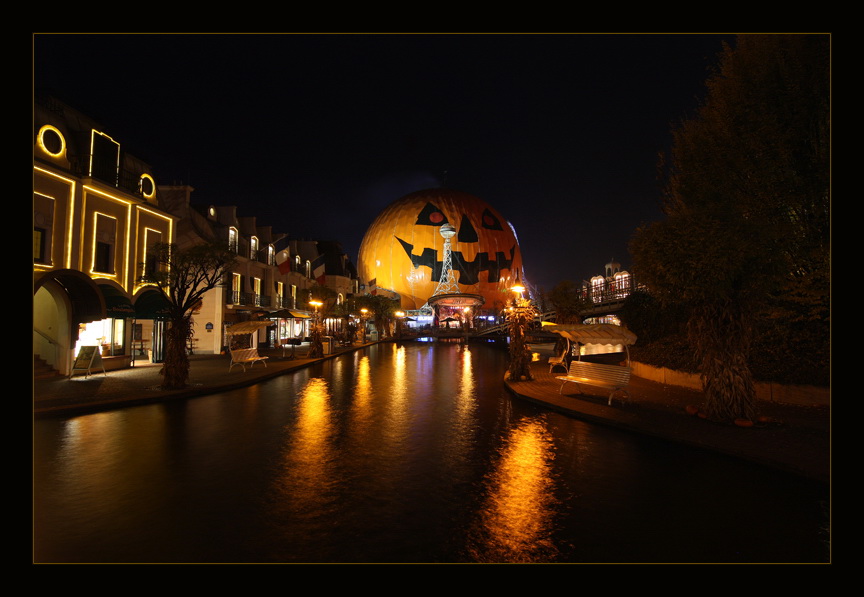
[(403, 250)]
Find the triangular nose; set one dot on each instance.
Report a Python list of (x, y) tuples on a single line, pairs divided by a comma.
[(467, 234)]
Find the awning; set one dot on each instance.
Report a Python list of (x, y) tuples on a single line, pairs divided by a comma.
[(117, 304), (152, 305), (290, 314), (598, 333), (247, 327)]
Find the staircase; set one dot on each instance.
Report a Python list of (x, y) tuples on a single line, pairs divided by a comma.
[(42, 370)]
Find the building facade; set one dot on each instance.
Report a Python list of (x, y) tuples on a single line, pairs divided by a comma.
[(272, 279), (95, 215)]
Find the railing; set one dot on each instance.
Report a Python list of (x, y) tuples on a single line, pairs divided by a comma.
[(51, 342), (247, 299), (610, 294), (107, 172)]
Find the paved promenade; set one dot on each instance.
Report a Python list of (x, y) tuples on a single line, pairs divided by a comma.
[(798, 441)]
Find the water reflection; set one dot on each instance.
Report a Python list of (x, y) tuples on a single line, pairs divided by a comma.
[(397, 453), (517, 516)]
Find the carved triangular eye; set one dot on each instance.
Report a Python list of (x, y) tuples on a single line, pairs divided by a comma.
[(431, 216), (490, 222)]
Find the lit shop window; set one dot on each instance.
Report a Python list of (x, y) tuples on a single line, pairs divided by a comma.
[(108, 334)]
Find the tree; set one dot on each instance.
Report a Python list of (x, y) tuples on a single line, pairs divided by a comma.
[(381, 309), (568, 302), (183, 276), (746, 199)]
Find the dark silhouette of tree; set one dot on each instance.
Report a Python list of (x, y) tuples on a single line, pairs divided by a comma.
[(567, 300), (183, 276), (746, 195)]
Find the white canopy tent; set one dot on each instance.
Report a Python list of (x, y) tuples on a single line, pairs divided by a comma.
[(246, 327), (596, 333)]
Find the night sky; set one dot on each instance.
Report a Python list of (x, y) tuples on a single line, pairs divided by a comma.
[(316, 134)]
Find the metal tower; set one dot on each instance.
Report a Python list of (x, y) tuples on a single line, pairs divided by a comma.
[(447, 281)]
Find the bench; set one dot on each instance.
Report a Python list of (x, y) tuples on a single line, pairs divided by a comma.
[(559, 361), (614, 377), (246, 355)]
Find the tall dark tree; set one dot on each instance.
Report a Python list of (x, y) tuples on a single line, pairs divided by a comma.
[(567, 300), (746, 195), (183, 276)]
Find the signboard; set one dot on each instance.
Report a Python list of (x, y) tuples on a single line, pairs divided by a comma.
[(88, 357)]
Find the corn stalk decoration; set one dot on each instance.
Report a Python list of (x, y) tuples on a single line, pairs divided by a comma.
[(520, 316)]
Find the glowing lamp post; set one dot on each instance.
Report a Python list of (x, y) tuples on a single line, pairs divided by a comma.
[(363, 313), (520, 316), (399, 316), (317, 347)]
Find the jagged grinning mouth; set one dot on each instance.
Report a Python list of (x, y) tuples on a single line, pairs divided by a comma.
[(469, 271)]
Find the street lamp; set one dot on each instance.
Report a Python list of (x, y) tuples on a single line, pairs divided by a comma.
[(399, 316), (363, 312)]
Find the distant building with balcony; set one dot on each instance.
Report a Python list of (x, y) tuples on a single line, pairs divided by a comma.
[(273, 276), (96, 214), (607, 293)]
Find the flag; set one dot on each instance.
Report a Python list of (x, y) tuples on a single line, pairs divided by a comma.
[(318, 270), (283, 261)]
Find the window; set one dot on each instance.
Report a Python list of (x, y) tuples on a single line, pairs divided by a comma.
[(39, 245), (236, 280), (105, 235), (104, 158), (43, 223), (253, 247), (598, 284), (256, 289), (102, 261), (108, 334), (233, 241)]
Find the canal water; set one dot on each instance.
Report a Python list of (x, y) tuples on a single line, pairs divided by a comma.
[(400, 453)]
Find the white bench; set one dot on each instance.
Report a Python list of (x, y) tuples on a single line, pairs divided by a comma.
[(614, 377), (246, 355)]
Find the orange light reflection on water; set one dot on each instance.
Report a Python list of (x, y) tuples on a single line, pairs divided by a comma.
[(518, 515)]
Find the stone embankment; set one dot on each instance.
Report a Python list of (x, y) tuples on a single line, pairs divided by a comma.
[(769, 392)]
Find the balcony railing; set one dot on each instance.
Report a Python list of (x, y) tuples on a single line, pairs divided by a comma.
[(247, 299), (107, 172)]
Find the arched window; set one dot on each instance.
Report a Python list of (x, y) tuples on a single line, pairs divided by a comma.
[(622, 284), (598, 285)]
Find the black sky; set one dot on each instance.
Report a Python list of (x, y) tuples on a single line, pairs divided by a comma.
[(316, 134)]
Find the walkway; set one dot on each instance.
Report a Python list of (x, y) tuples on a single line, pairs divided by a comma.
[(799, 440)]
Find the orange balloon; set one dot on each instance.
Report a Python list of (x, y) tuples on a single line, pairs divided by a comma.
[(403, 250)]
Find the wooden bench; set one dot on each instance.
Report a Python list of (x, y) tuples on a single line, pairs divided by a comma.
[(246, 355), (614, 377)]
